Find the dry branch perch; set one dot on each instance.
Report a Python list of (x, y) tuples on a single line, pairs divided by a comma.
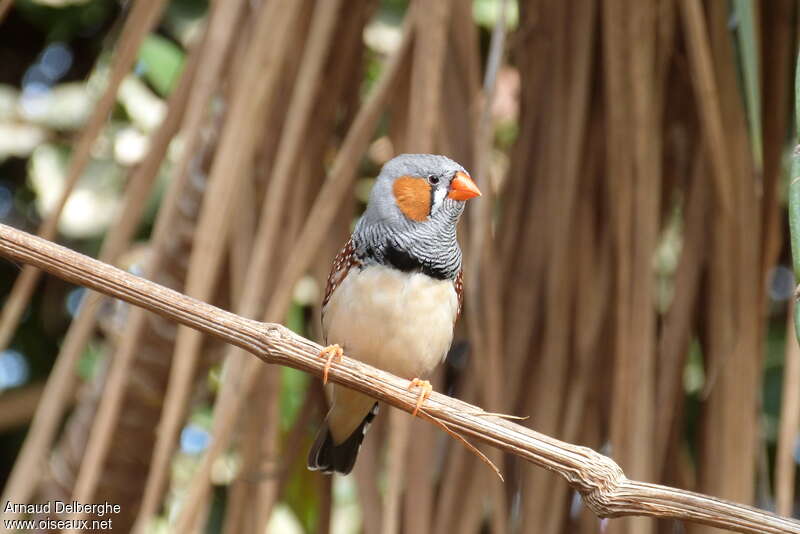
[(601, 482)]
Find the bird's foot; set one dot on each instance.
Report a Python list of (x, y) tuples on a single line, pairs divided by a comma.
[(330, 353), (425, 392)]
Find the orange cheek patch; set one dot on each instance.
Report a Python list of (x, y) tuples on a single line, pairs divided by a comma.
[(413, 196)]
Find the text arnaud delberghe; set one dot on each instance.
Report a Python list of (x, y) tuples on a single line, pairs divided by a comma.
[(61, 507)]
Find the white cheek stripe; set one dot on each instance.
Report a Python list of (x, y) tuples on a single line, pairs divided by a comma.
[(438, 199)]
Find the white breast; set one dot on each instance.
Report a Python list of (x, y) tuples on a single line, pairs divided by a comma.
[(397, 321)]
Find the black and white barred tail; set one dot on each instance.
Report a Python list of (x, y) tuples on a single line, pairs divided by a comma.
[(329, 458)]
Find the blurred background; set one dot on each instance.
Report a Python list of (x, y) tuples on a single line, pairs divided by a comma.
[(627, 271)]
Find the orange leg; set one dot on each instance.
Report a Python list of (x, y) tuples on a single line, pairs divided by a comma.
[(425, 392), (330, 353)]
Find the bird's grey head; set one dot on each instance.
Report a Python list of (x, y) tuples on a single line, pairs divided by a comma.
[(419, 189), (413, 208)]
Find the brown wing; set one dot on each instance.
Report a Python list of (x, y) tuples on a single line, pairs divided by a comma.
[(341, 265), (459, 283)]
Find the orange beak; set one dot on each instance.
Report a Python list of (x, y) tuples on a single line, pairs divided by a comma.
[(463, 188)]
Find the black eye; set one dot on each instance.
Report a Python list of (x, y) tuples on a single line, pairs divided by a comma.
[(433, 179)]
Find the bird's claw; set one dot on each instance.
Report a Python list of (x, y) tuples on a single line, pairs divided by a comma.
[(425, 392), (330, 353)]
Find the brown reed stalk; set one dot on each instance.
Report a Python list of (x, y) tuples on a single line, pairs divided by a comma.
[(570, 100), (243, 242), (367, 477), (707, 94), (677, 329), (5, 7), (396, 450), (427, 70), (240, 490), (730, 435), (633, 399), (266, 474), (457, 470), (591, 268), (778, 43), (785, 466), (525, 248), (461, 101), (485, 315), (18, 406)]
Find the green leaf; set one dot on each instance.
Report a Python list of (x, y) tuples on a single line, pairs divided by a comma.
[(296, 319), (486, 13), (89, 362), (161, 62), (301, 494), (294, 385), (794, 185), (749, 53), (794, 195)]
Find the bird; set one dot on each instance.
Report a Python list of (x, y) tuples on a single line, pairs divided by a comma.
[(394, 293)]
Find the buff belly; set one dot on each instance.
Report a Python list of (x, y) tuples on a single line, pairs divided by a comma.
[(397, 321)]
